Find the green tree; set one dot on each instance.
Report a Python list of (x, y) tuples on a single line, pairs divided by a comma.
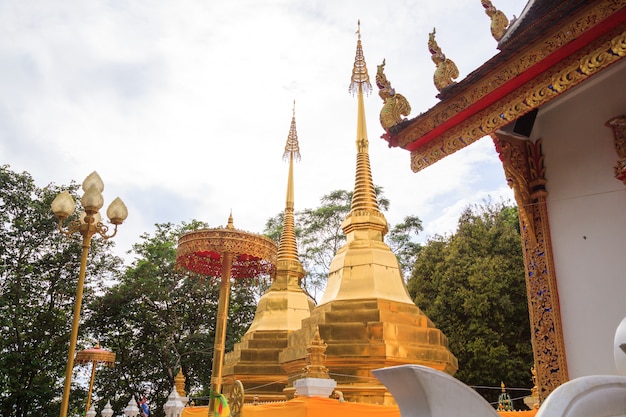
[(38, 276), (471, 285), (157, 319), (319, 236)]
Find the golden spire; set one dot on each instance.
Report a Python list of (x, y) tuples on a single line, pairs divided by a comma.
[(364, 197), (287, 249)]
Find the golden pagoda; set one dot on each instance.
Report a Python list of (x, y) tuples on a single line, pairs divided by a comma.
[(281, 309), (366, 316)]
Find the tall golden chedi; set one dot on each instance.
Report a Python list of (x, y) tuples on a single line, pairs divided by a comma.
[(366, 316), (254, 360)]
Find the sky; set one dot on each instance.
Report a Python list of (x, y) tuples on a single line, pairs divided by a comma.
[(184, 107)]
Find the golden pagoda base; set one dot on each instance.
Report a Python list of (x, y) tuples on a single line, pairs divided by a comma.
[(363, 335), (254, 362)]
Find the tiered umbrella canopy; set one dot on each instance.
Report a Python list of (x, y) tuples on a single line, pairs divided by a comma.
[(225, 252), (94, 356)]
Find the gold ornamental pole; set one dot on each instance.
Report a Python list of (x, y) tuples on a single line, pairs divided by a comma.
[(228, 253), (220, 327), (89, 224)]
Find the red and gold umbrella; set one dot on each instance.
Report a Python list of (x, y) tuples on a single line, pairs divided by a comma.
[(94, 356), (227, 253)]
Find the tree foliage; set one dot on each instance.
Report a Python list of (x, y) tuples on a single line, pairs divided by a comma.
[(471, 285), (38, 277)]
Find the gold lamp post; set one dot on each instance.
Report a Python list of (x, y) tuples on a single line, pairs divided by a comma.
[(94, 356), (88, 224)]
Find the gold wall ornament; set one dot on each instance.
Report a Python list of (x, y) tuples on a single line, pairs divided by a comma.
[(548, 85), (523, 161), (499, 21), (446, 70), (394, 104), (618, 125)]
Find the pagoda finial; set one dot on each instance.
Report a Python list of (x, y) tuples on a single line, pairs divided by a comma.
[(230, 224), (360, 81), (179, 383), (446, 70), (292, 150)]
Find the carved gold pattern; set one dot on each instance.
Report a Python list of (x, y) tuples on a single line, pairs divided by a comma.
[(446, 70), (395, 105), (499, 21), (523, 164), (545, 87), (618, 125)]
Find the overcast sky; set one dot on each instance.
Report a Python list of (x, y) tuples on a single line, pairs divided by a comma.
[(184, 107)]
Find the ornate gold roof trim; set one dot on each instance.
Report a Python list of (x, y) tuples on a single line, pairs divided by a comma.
[(550, 84), (418, 132)]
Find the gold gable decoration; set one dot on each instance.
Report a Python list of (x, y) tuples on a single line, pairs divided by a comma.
[(446, 70), (499, 21)]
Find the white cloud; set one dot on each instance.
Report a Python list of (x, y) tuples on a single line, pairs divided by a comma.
[(184, 107)]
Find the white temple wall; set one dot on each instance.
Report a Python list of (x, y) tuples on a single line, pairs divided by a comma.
[(587, 214)]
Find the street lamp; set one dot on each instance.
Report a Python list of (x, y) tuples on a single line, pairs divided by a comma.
[(88, 225)]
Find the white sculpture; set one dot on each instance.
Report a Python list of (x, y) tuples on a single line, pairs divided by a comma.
[(421, 391), (174, 406)]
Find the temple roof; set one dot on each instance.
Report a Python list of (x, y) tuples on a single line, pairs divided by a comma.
[(552, 47)]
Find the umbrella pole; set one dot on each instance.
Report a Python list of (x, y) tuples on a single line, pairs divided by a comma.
[(220, 332), (93, 375)]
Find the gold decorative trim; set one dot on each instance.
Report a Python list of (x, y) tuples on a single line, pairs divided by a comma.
[(618, 125), (522, 161), (547, 86)]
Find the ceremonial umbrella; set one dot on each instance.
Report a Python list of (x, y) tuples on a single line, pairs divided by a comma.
[(227, 253), (94, 356)]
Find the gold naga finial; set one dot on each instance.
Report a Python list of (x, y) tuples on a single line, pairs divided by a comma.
[(446, 70), (499, 21), (360, 77), (292, 149), (394, 104)]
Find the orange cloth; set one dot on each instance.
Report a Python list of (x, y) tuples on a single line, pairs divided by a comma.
[(524, 413), (322, 407)]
